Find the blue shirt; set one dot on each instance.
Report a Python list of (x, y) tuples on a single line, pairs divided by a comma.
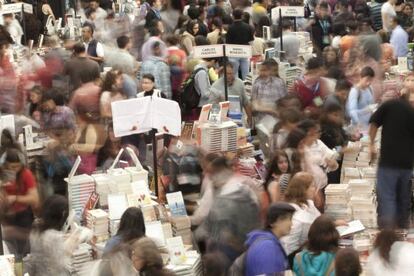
[(357, 105), (399, 40)]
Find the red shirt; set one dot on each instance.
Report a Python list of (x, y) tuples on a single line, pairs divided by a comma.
[(28, 182)]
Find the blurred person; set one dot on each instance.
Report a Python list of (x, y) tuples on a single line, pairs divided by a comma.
[(7, 141), (278, 167), (217, 35), (79, 65), (188, 37), (311, 88), (13, 27), (149, 88), (340, 96), (387, 50), (156, 66), (177, 59), (33, 107), (398, 39), (347, 263), (396, 160), (122, 59), (146, 258), (288, 119), (202, 82), (265, 253), (343, 14), (93, 48), (153, 12), (101, 14), (318, 258), (360, 98), (259, 9), (147, 47), (51, 248), (390, 256), (338, 31), (300, 193), (321, 27), (112, 92), (19, 193), (406, 17), (387, 14), (240, 33), (90, 134), (43, 12), (198, 13), (131, 227), (267, 89), (235, 87), (290, 41), (225, 228), (8, 89)]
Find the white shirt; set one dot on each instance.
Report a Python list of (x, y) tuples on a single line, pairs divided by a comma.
[(16, 31), (301, 222), (388, 10), (99, 49)]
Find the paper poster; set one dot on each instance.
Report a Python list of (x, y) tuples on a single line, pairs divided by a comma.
[(140, 115), (141, 191), (7, 122), (176, 204), (176, 250)]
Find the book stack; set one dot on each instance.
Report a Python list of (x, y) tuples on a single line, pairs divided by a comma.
[(81, 259), (79, 189), (369, 174), (191, 266), (290, 75), (349, 173), (246, 151), (363, 202), (181, 226), (103, 188), (97, 221), (218, 138), (122, 178), (337, 201)]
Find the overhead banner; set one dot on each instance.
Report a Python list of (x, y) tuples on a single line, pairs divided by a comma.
[(16, 8)]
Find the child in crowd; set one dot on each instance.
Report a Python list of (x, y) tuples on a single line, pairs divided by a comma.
[(360, 100), (279, 166)]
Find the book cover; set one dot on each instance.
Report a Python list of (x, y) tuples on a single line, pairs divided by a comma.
[(176, 204)]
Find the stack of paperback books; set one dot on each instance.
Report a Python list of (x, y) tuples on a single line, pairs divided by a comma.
[(363, 202), (81, 259), (98, 221), (337, 201), (191, 266)]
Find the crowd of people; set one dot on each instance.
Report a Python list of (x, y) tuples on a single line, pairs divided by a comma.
[(241, 226)]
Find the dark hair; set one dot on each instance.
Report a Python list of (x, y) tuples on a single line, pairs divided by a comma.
[(201, 40), (122, 41), (154, 31), (307, 125), (286, 23), (90, 76), (79, 48), (220, 163), (155, 45), (314, 63), (274, 168), (396, 20), (323, 5), (217, 22), (295, 137), (278, 211), (237, 14), (8, 141), (343, 84), (227, 20), (347, 263), (15, 155), (132, 225), (90, 27), (193, 12), (190, 26), (148, 77), (383, 243), (323, 236), (110, 79), (339, 29), (246, 17), (54, 213), (172, 39), (297, 187), (367, 72)]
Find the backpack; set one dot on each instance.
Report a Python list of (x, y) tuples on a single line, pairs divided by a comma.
[(190, 98), (238, 268)]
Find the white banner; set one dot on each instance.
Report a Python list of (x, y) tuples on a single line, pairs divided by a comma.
[(287, 11), (238, 51), (11, 8), (208, 51)]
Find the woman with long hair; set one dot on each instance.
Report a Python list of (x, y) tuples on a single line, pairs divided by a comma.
[(112, 91), (188, 37), (131, 227), (20, 196), (278, 167)]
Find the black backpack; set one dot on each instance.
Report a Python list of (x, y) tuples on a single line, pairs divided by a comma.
[(190, 98)]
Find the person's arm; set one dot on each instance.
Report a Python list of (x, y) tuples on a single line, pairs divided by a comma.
[(352, 105), (373, 129), (31, 198), (203, 83)]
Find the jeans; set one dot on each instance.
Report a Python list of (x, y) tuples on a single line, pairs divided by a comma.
[(243, 64), (394, 197)]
